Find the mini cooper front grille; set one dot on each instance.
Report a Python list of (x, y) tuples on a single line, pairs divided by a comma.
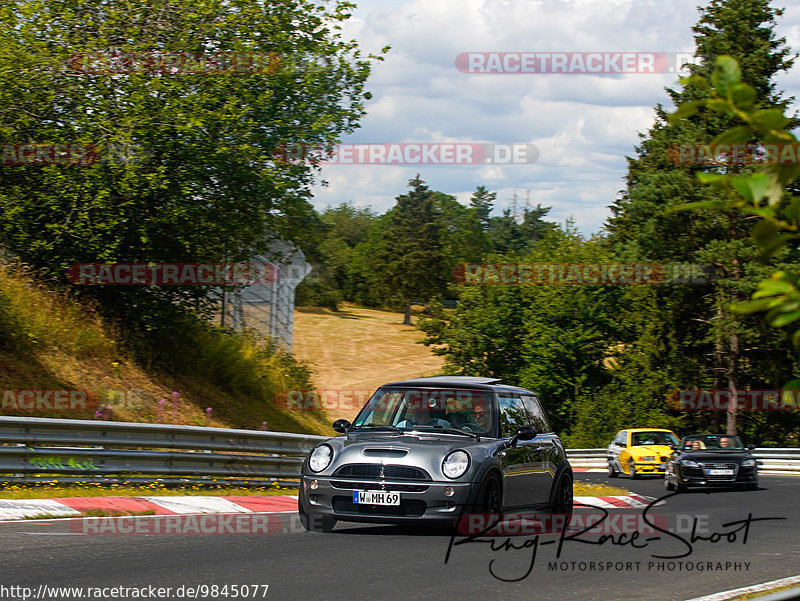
[(391, 487), (388, 472)]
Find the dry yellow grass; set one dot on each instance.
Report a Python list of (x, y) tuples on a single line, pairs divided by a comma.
[(357, 349), (69, 347)]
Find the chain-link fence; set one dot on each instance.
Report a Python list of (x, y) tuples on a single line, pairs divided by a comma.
[(268, 309)]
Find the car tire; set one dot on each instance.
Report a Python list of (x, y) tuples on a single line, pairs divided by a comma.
[(311, 521), (632, 470), (488, 500), (612, 471), (490, 495), (561, 500)]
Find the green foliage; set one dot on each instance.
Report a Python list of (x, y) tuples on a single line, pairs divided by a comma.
[(763, 190), (552, 339), (355, 251), (203, 183), (410, 259), (705, 343)]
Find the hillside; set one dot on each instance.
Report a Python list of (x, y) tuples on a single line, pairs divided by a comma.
[(50, 343), (355, 350)]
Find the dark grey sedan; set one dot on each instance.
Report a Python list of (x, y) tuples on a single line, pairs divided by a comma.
[(711, 460), (430, 449)]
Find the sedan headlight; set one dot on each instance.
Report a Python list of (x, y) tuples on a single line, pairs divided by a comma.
[(320, 458), (749, 463), (647, 458), (455, 464), (689, 463)]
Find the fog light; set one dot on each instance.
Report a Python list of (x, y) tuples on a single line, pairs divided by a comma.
[(314, 485), (449, 491)]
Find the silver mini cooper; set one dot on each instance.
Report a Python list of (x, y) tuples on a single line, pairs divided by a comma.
[(429, 449)]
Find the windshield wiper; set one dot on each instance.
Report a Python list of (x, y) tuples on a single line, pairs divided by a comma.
[(450, 430)]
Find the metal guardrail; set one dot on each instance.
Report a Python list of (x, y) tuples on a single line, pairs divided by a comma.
[(31, 445), (783, 460), (66, 448)]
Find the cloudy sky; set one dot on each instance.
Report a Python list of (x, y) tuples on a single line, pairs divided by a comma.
[(583, 125)]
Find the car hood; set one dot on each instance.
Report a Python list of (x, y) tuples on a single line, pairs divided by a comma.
[(653, 449), (713, 457), (416, 449)]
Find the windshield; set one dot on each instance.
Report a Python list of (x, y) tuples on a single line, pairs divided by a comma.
[(712, 442), (652, 438), (423, 408)]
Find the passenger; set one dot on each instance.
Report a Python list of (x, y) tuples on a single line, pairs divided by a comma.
[(418, 414)]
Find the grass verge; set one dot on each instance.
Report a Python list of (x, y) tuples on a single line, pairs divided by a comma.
[(580, 489), (117, 490), (586, 489)]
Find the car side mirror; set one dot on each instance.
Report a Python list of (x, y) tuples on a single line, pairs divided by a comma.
[(341, 425), (751, 447), (674, 447), (523, 433)]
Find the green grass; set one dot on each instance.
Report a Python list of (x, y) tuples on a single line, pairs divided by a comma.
[(586, 489), (53, 491)]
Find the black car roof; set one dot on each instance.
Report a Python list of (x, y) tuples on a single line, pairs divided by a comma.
[(458, 382)]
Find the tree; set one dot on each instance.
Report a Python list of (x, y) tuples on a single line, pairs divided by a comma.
[(767, 191), (642, 226), (482, 202), (411, 261), (204, 183), (550, 338), (331, 250)]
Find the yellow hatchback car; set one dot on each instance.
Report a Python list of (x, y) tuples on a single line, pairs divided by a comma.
[(640, 451)]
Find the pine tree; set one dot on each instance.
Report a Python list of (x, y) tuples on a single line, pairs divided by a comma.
[(412, 258), (699, 320)]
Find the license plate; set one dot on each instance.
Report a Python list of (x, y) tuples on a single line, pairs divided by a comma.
[(719, 472), (376, 497)]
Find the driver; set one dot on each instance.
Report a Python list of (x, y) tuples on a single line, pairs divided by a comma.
[(724, 442), (480, 416)]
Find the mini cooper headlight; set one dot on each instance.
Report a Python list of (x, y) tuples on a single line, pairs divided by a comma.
[(455, 464), (689, 463), (749, 463), (320, 458)]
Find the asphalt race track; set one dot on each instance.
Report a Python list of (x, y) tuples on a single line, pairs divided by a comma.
[(380, 563)]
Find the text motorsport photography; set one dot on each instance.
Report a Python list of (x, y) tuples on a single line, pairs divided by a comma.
[(514, 542)]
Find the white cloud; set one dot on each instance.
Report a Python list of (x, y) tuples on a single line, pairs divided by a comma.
[(583, 125)]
